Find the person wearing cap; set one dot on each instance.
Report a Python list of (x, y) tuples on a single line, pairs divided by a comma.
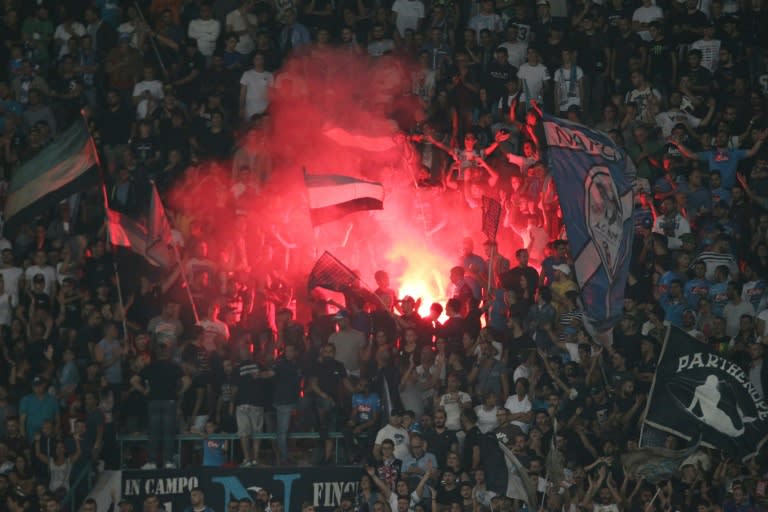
[(36, 408), (395, 432), (543, 23), (561, 285)]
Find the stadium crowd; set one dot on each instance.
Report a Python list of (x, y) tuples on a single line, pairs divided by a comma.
[(168, 84)]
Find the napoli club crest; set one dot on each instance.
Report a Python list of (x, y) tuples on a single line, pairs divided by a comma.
[(604, 217)]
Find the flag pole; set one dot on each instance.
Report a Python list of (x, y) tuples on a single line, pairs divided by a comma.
[(185, 281), (490, 266), (105, 198)]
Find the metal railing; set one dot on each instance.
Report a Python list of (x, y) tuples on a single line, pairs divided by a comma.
[(124, 439)]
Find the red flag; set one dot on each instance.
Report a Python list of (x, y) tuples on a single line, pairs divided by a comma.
[(119, 226), (127, 232)]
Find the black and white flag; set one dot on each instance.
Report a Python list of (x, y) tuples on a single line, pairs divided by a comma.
[(697, 391)]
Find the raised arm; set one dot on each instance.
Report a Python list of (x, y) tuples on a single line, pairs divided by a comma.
[(758, 143)]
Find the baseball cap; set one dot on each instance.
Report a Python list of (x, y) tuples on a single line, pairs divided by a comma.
[(565, 269), (37, 381), (342, 313)]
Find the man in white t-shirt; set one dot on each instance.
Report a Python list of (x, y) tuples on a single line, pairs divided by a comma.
[(408, 15), (486, 18), (67, 30), (519, 405), (147, 93), (533, 76), (569, 83), (667, 120), (214, 329), (709, 48), (641, 96), (41, 267), (517, 50), (453, 401), (643, 16), (254, 89), (243, 23), (205, 30), (394, 431)]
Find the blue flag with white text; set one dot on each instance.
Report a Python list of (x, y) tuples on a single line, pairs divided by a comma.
[(594, 184)]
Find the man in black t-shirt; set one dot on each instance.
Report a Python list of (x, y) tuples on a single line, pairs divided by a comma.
[(325, 381), (160, 382), (252, 396)]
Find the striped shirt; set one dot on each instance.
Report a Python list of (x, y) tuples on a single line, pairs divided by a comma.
[(714, 259)]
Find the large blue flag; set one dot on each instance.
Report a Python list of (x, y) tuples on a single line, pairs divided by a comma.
[(594, 183)]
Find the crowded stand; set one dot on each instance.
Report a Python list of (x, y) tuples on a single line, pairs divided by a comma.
[(276, 254)]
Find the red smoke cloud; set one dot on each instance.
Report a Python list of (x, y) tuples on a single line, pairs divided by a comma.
[(319, 100)]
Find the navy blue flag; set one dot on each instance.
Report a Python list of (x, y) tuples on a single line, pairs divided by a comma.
[(698, 393), (594, 183)]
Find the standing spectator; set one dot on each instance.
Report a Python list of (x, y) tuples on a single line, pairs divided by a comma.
[(205, 30), (295, 35), (326, 380), (453, 402), (569, 84), (349, 343), (160, 382), (242, 23), (671, 224), (519, 405), (251, 398), (255, 87), (109, 354), (721, 157), (408, 15), (37, 32), (214, 450), (394, 432), (286, 397), (36, 408), (643, 16), (534, 76)]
